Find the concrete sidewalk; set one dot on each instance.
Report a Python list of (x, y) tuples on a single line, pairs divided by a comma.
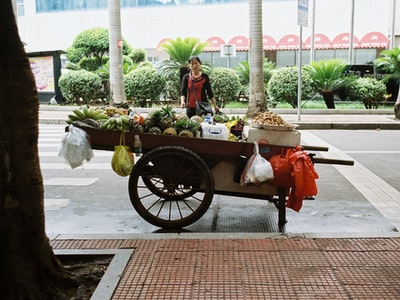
[(308, 119)]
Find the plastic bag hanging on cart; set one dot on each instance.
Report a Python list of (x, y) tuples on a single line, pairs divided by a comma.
[(257, 169), (304, 175), (75, 147), (123, 160)]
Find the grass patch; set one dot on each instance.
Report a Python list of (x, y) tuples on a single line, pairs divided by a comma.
[(311, 104)]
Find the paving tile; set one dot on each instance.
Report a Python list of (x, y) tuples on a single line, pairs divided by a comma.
[(273, 268)]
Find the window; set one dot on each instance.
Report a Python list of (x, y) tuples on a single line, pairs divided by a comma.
[(44, 6), (20, 8)]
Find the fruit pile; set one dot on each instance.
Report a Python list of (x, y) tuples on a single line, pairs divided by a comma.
[(162, 121)]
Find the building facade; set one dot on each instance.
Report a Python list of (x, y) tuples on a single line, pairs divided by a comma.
[(47, 25)]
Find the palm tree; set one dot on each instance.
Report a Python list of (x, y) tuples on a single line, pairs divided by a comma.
[(389, 62), (117, 92), (327, 78), (29, 268), (243, 71), (257, 99), (179, 51)]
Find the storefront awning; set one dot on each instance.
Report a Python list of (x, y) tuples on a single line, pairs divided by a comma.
[(374, 40), (342, 41), (288, 42), (214, 44), (269, 43), (321, 41), (242, 43)]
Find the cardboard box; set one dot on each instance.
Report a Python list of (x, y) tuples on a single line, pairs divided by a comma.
[(275, 137)]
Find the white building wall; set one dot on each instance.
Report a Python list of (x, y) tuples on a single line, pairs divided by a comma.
[(146, 27)]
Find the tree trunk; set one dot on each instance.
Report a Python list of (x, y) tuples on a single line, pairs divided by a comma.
[(117, 91), (329, 99), (257, 101), (28, 267), (397, 106)]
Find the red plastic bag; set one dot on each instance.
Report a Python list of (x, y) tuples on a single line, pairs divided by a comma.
[(283, 170), (304, 178)]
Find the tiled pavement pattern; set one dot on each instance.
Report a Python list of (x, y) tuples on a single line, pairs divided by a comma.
[(272, 268)]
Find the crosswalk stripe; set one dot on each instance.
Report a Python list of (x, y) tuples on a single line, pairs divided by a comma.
[(70, 181), (96, 154), (55, 204), (372, 152), (86, 165)]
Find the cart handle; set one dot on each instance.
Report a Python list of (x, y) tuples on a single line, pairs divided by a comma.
[(315, 148), (320, 160)]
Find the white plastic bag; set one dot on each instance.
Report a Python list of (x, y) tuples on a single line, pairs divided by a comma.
[(75, 147), (257, 169)]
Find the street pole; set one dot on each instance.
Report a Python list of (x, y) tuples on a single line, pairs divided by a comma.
[(393, 34), (312, 48), (299, 81), (351, 45)]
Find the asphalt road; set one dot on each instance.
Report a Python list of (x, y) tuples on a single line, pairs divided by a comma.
[(363, 199)]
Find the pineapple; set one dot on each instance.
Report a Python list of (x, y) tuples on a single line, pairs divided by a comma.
[(155, 130), (148, 123), (186, 133), (137, 128), (166, 122), (180, 116), (186, 124), (170, 131), (196, 118), (156, 117)]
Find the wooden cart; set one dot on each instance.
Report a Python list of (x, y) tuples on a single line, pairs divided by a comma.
[(172, 184)]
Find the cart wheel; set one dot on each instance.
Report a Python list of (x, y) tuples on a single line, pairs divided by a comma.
[(171, 187)]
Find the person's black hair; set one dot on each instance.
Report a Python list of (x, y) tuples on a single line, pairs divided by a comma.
[(194, 58)]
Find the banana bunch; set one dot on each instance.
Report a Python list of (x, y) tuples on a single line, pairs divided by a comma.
[(118, 122), (85, 112), (111, 111)]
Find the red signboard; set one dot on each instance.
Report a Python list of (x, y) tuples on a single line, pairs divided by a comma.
[(269, 43), (342, 41), (214, 44), (289, 42), (374, 40), (321, 41), (242, 43)]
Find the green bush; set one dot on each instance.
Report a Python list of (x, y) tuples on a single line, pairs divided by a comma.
[(283, 85), (225, 84), (368, 90), (138, 55), (91, 63), (172, 90), (80, 86), (143, 84), (93, 43)]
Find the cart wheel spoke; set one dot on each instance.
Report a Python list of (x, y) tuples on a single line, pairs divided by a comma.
[(171, 187)]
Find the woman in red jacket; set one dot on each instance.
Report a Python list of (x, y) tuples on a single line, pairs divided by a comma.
[(196, 86)]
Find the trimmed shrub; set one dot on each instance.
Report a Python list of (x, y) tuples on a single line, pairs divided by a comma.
[(283, 85), (225, 84), (144, 85), (80, 86), (368, 90)]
